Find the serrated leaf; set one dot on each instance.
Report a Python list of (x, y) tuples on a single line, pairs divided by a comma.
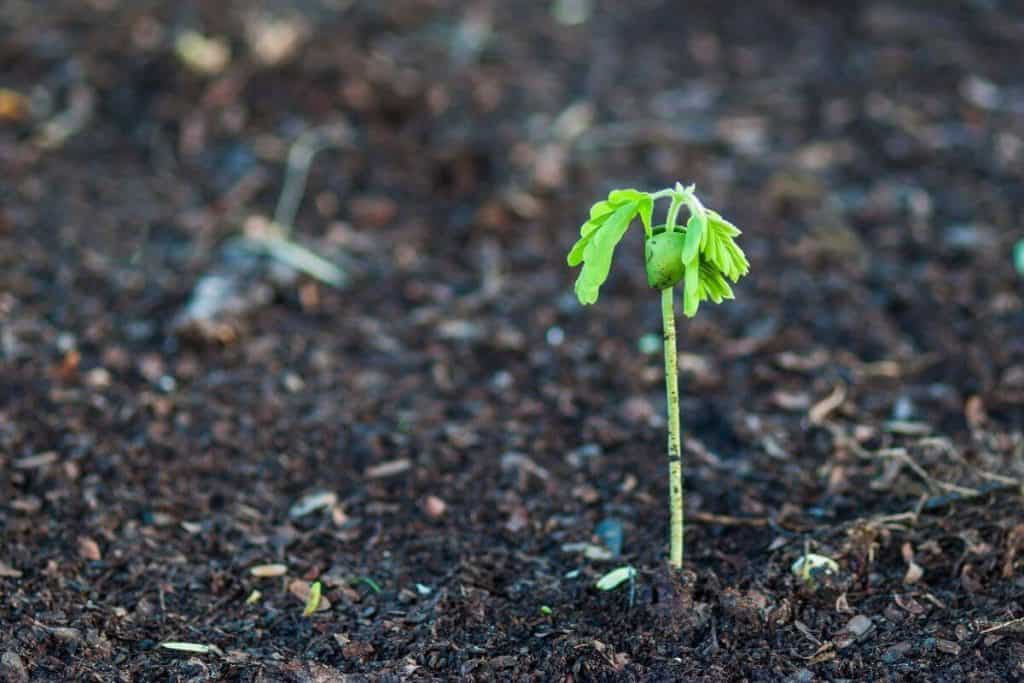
[(645, 204), (618, 197), (601, 209), (576, 253), (615, 578), (713, 285), (719, 247), (598, 252)]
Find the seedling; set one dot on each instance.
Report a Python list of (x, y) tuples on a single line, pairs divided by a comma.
[(703, 255), (313, 601)]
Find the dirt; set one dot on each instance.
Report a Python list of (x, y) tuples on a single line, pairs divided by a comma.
[(449, 443)]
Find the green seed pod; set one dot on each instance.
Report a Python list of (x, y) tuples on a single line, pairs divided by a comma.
[(663, 254)]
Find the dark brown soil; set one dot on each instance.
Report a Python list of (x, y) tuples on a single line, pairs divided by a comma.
[(467, 424)]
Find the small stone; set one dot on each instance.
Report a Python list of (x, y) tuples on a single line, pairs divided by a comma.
[(947, 646), (859, 625), (579, 456), (312, 502), (372, 211), (357, 650), (88, 549), (434, 507), (9, 572), (801, 676), (12, 668), (749, 607), (609, 530), (896, 652)]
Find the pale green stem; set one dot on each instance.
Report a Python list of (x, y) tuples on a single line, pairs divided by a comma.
[(675, 455), (673, 213)]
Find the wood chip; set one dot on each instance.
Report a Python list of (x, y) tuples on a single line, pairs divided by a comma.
[(267, 571), (312, 502), (194, 648), (36, 461), (388, 469), (9, 572)]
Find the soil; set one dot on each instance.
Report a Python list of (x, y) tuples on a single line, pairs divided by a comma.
[(448, 442)]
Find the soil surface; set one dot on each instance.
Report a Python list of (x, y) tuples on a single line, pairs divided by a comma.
[(192, 433)]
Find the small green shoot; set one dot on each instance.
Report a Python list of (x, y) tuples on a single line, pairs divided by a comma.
[(313, 601), (546, 611), (702, 255), (374, 586), (254, 597), (616, 578), (811, 568)]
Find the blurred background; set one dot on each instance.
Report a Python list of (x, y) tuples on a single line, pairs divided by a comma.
[(252, 252)]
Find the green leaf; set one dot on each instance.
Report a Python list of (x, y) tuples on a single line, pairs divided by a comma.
[(598, 252), (643, 200), (576, 253), (646, 211), (601, 209), (619, 197), (615, 578), (691, 289), (718, 246), (695, 229), (713, 285), (313, 601)]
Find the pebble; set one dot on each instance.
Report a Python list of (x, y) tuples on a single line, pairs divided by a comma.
[(312, 502), (577, 457), (859, 625), (12, 668), (896, 652), (434, 507), (609, 530)]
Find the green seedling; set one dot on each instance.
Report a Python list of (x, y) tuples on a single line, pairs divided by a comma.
[(702, 255), (313, 601)]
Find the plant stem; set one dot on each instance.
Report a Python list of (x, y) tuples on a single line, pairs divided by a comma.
[(673, 213), (675, 455)]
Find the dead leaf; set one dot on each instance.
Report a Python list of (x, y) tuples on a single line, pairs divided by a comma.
[(914, 570)]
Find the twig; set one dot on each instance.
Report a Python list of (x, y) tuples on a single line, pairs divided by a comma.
[(300, 158), (728, 520), (1005, 624), (278, 243)]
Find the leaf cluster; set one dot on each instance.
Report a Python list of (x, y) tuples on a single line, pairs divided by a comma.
[(709, 253)]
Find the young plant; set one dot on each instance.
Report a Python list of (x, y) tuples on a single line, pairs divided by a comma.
[(702, 255)]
